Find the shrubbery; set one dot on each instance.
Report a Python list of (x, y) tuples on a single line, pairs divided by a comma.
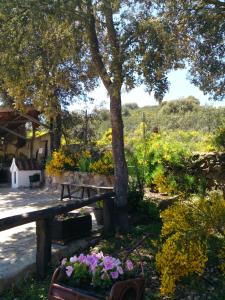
[(193, 232), (165, 159)]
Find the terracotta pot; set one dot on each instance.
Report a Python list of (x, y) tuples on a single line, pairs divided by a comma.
[(131, 289)]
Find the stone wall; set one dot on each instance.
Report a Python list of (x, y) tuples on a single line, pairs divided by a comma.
[(210, 166), (54, 182)]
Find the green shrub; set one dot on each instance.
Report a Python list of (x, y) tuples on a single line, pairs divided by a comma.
[(219, 138)]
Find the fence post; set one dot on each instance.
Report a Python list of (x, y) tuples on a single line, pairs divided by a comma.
[(44, 244), (108, 209)]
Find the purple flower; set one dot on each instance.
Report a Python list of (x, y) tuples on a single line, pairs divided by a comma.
[(114, 275), (129, 265), (92, 261), (63, 261), (82, 259), (69, 271), (108, 263), (73, 259)]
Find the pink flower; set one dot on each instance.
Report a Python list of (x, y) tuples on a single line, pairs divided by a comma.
[(99, 255), (114, 275), (129, 265), (73, 259), (69, 271), (63, 261), (119, 270)]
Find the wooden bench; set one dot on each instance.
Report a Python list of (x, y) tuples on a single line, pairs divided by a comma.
[(83, 187)]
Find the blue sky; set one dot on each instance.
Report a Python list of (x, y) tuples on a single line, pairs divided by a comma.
[(180, 87)]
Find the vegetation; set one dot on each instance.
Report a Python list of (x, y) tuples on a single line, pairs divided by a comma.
[(55, 52), (52, 52), (193, 232)]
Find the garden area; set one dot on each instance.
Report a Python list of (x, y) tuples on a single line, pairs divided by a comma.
[(154, 175), (179, 243)]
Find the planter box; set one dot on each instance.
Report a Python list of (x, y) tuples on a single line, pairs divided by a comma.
[(131, 289), (73, 226)]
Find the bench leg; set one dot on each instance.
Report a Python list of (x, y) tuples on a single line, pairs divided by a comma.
[(62, 192), (68, 190)]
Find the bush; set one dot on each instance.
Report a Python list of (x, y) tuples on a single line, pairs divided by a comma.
[(193, 232), (165, 160), (219, 139)]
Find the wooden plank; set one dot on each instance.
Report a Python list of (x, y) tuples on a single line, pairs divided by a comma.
[(17, 220), (32, 119), (44, 246), (111, 188), (13, 132)]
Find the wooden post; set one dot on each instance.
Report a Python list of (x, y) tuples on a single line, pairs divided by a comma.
[(44, 243), (108, 208)]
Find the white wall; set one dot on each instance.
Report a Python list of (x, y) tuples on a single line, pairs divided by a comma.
[(22, 178)]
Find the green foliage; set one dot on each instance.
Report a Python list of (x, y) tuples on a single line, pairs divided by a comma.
[(201, 40), (219, 138), (192, 231), (165, 160), (185, 115), (149, 210), (180, 106)]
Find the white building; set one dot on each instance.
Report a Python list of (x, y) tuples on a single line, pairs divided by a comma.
[(20, 172)]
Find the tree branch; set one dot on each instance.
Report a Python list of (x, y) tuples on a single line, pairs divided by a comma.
[(94, 47), (114, 43)]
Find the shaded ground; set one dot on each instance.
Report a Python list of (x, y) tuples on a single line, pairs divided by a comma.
[(18, 245)]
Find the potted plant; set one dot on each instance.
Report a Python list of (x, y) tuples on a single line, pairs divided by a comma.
[(95, 277), (69, 226), (98, 212)]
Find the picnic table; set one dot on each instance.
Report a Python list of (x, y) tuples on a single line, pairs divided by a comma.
[(83, 187)]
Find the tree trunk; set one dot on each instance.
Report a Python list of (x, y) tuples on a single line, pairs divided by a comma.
[(120, 165), (55, 133)]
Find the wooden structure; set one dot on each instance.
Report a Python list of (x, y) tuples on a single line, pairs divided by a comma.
[(121, 290), (13, 122), (14, 141), (43, 219), (83, 187)]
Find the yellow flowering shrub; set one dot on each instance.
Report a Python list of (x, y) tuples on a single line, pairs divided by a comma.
[(104, 165), (60, 162), (191, 230), (80, 161)]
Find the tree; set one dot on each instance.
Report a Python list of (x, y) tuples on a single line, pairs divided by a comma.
[(123, 43), (37, 64), (200, 28)]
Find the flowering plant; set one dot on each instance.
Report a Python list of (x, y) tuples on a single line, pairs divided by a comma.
[(96, 270)]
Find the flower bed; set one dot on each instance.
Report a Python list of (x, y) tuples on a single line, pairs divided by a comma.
[(96, 276)]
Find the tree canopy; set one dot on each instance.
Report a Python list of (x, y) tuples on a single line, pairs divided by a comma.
[(200, 28), (53, 51)]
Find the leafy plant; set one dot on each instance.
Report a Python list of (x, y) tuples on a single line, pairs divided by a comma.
[(104, 165), (219, 138)]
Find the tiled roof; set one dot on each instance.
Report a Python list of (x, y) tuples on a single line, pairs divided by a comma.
[(27, 164)]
